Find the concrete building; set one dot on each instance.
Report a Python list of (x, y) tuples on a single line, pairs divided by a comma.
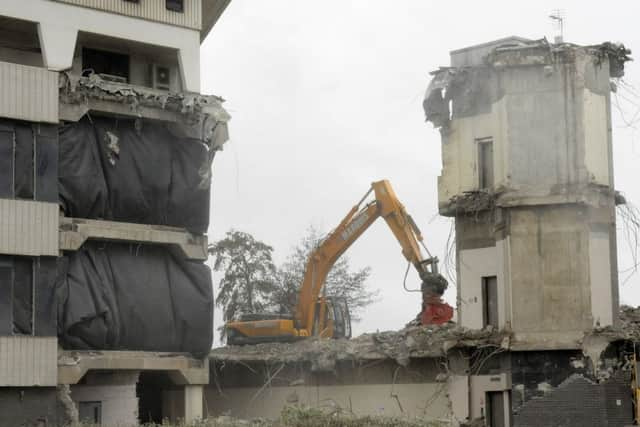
[(83, 84), (528, 176)]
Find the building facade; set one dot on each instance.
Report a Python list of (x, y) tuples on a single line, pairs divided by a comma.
[(527, 176), (105, 144)]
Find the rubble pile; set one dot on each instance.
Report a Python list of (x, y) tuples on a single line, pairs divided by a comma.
[(301, 416), (628, 328), (472, 202), (410, 342)]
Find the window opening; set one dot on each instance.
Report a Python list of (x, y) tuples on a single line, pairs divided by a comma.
[(175, 5), (90, 412), (108, 65), (485, 163), (490, 301)]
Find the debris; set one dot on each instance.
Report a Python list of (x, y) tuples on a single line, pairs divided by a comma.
[(411, 342), (204, 112), (443, 102), (472, 202), (436, 100), (617, 54), (70, 415), (113, 147)]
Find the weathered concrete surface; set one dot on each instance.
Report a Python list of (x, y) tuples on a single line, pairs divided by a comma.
[(29, 406), (379, 399), (546, 108), (116, 392), (74, 232), (182, 368), (544, 226), (432, 389)]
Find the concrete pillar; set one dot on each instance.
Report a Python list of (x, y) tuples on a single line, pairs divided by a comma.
[(58, 42), (193, 395), (189, 59)]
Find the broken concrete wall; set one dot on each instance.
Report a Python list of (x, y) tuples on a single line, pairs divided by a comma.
[(424, 389), (554, 267), (107, 399), (560, 389), (30, 407), (545, 107)]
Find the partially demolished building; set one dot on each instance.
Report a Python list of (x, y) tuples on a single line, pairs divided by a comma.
[(106, 148), (528, 178)]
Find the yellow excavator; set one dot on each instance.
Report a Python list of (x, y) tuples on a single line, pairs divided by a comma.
[(328, 317)]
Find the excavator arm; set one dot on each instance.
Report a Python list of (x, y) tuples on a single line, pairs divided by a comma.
[(315, 314), (355, 223)]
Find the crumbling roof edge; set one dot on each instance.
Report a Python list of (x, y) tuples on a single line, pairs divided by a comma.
[(503, 40)]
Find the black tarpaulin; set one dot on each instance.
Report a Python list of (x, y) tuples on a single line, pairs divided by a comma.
[(23, 295), (133, 171), (134, 297), (27, 295), (81, 184)]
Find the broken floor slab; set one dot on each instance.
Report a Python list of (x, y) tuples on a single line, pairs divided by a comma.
[(192, 115), (182, 368), (412, 342)]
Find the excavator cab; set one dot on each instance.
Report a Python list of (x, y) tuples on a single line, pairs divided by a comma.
[(332, 318)]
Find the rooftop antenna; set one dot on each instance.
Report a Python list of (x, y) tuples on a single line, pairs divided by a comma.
[(558, 17)]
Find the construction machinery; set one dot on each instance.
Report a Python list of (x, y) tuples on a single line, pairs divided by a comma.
[(324, 316)]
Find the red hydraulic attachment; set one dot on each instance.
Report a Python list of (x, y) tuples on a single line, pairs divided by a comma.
[(434, 310)]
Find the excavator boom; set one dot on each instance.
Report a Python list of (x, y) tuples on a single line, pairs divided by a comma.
[(317, 315)]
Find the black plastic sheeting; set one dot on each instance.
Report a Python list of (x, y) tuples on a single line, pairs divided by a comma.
[(27, 295), (134, 297), (132, 171)]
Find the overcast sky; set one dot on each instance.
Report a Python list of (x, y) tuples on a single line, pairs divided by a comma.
[(326, 97)]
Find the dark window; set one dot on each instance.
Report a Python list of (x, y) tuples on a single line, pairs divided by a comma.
[(110, 65), (90, 412), (485, 162), (17, 156), (490, 301), (16, 295), (175, 5), (6, 295), (7, 155)]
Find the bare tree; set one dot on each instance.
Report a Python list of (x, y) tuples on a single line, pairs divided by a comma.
[(342, 281)]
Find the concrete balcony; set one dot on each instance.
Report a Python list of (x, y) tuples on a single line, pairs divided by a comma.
[(75, 232)]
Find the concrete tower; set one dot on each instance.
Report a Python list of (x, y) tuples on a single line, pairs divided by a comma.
[(527, 175)]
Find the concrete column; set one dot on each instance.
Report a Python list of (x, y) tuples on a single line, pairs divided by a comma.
[(58, 42), (189, 59), (193, 395)]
